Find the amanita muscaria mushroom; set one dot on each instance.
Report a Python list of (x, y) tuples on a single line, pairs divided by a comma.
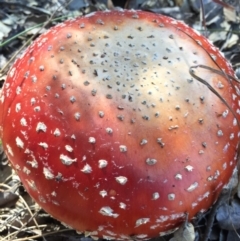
[(111, 133)]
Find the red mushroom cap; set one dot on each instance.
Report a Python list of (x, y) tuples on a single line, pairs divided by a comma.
[(110, 132)]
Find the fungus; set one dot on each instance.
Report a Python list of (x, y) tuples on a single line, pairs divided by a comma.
[(137, 170)]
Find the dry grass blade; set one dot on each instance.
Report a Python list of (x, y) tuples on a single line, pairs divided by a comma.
[(39, 235), (29, 29), (220, 72), (211, 218), (191, 71), (25, 6), (2, 71), (8, 221)]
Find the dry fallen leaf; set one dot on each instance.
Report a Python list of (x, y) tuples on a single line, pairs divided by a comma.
[(228, 216), (184, 233), (7, 198)]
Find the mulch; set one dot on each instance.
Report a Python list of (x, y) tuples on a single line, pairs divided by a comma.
[(23, 20)]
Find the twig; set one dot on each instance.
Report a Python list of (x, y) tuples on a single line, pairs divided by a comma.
[(191, 71)]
